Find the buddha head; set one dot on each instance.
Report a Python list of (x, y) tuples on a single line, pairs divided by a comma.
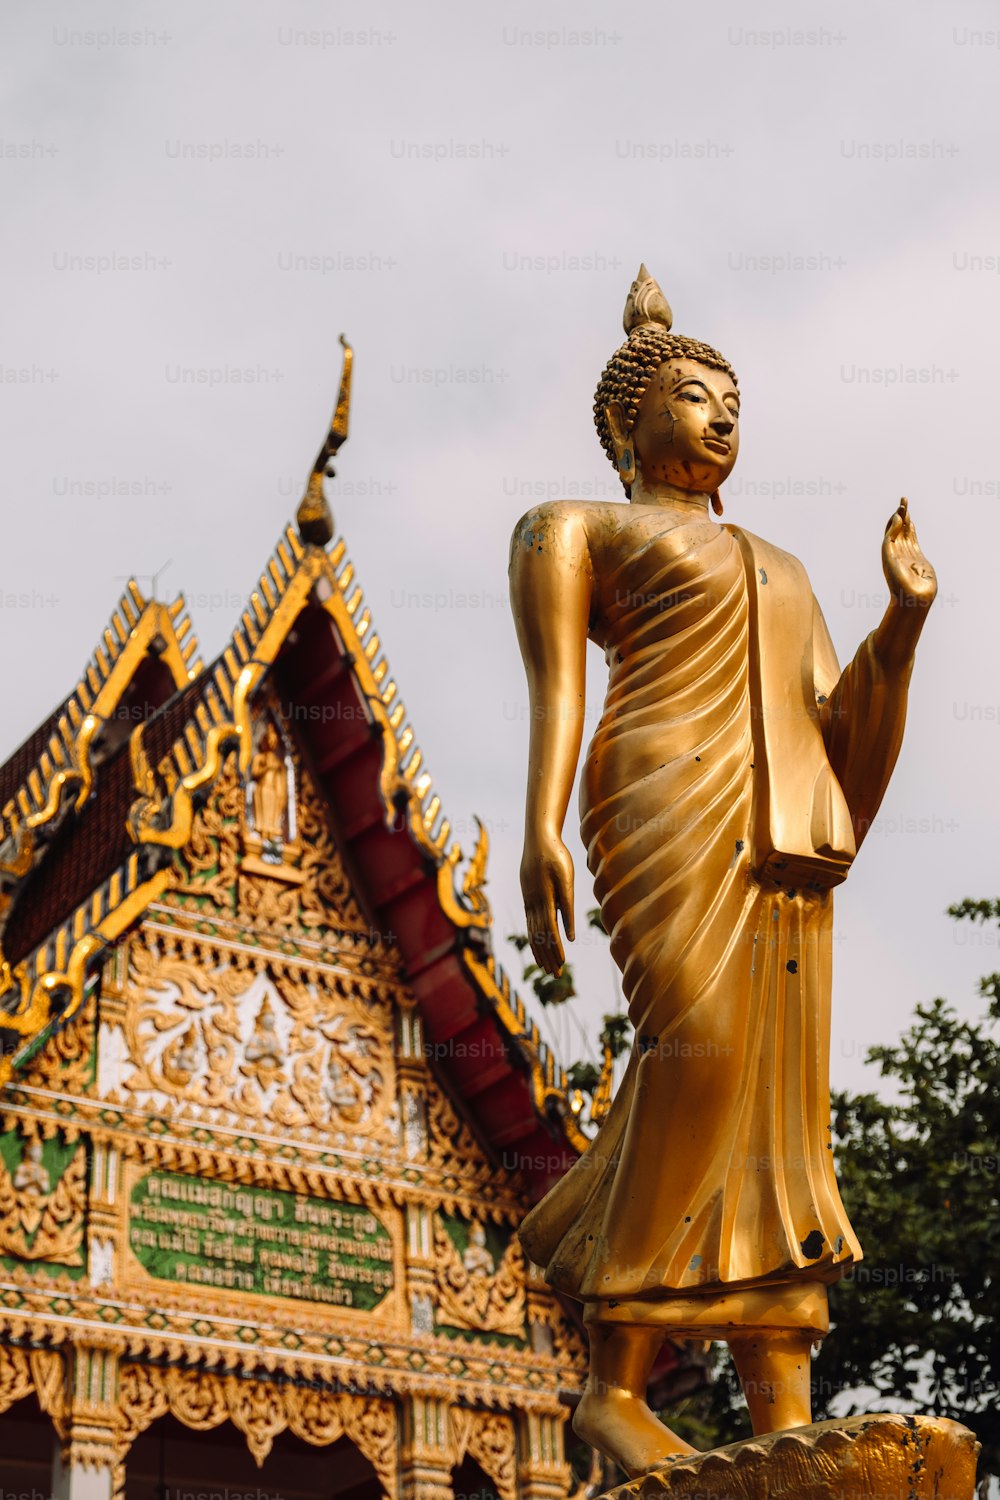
[(667, 407)]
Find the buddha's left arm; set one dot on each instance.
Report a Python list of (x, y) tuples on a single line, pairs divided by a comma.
[(862, 712), (863, 709)]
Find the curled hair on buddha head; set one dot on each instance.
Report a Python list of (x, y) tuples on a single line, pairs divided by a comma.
[(647, 321)]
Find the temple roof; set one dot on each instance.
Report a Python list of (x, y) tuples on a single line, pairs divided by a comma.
[(96, 801)]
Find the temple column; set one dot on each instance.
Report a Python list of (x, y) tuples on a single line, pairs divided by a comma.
[(542, 1470), (426, 1459), (72, 1479), (84, 1458)]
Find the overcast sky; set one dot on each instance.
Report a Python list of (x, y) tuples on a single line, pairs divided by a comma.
[(198, 197)]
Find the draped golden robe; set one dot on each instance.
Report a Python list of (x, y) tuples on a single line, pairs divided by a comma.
[(731, 776)]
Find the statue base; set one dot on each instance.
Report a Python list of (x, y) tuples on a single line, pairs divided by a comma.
[(878, 1457)]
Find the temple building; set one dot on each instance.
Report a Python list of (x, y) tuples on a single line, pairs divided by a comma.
[(271, 1111)]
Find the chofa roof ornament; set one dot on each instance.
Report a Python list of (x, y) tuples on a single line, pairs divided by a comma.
[(313, 517)]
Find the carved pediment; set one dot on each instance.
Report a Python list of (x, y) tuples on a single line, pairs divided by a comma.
[(271, 1048)]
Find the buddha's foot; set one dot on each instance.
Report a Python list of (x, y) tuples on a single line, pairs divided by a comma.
[(623, 1428)]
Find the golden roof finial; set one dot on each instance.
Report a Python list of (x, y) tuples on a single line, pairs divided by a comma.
[(646, 304), (313, 516)]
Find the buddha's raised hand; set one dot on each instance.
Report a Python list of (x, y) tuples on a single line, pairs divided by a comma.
[(911, 578)]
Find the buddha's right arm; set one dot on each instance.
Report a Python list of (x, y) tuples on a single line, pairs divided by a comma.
[(550, 588), (551, 582)]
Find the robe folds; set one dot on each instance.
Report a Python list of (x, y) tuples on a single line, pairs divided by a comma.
[(732, 775)]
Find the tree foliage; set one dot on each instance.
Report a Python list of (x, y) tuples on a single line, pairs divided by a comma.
[(919, 1319)]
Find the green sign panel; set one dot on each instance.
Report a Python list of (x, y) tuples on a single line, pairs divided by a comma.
[(245, 1239)]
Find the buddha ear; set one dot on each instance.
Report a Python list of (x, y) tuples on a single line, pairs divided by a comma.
[(622, 439), (614, 413)]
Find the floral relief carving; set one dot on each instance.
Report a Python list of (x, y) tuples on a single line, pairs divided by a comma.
[(260, 1409), (64, 1062), (268, 1049)]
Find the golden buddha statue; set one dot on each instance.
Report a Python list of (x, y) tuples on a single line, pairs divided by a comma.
[(270, 789), (733, 774)]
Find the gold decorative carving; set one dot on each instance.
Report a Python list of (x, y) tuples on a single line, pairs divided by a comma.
[(40, 1370), (473, 1298), (488, 1437), (213, 864), (260, 1409), (39, 1221), (48, 1371), (270, 1049), (66, 761), (40, 988), (568, 1344), (191, 1007), (454, 1369), (210, 857), (473, 909), (451, 1145), (474, 881), (326, 897), (16, 1378), (63, 1062), (265, 902)]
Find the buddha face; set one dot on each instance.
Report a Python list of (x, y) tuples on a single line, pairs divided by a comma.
[(686, 431)]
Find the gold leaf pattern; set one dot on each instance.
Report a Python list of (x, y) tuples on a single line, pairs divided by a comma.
[(46, 1226), (211, 863), (452, 1147), (489, 1438), (202, 1399), (63, 1063), (466, 1299), (16, 1380)]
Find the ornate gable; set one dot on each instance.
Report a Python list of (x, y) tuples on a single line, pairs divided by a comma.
[(142, 838)]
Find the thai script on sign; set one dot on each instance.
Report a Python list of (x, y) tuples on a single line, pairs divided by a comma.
[(259, 1240)]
